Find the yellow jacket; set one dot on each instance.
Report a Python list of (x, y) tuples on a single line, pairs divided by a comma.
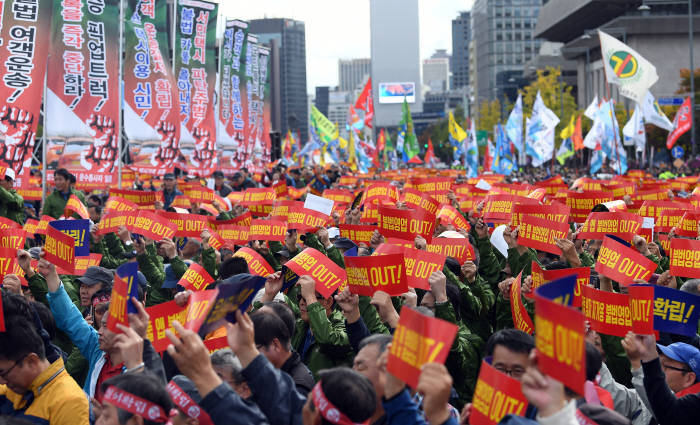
[(58, 400)]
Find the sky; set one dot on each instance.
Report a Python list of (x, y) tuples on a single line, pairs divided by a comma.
[(339, 29)]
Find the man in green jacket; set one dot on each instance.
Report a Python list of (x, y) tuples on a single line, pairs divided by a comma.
[(11, 203), (55, 203)]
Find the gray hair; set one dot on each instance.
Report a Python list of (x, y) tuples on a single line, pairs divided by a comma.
[(226, 359), (692, 286)]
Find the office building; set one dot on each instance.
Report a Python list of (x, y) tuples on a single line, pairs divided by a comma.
[(502, 31), (436, 74), (395, 53), (461, 37), (352, 73), (290, 36), (321, 99)]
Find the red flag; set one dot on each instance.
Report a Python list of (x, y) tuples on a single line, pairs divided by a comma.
[(488, 158), (577, 137), (362, 98), (369, 111), (381, 140), (429, 153), (681, 124)]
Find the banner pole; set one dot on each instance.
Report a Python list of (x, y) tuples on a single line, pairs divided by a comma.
[(44, 168), (121, 94)]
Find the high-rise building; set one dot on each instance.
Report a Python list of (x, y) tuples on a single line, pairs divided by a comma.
[(352, 73), (436, 74), (321, 99), (290, 36), (503, 34), (461, 36), (396, 62)]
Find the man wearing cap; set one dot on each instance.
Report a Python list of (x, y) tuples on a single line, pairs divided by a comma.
[(681, 364), (11, 202), (94, 279), (169, 189), (220, 186), (241, 182)]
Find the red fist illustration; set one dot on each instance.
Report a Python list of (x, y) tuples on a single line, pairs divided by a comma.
[(167, 151), (16, 124), (204, 152), (103, 152)]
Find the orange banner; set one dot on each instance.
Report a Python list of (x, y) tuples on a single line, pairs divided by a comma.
[(75, 205), (152, 226)]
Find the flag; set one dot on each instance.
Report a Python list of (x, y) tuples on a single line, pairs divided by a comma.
[(568, 131), (653, 113), (626, 68), (596, 161), (381, 140), (353, 121), (577, 137), (566, 150), (633, 131), (369, 112), (514, 125), (352, 159), (327, 131), (488, 155), (681, 123), (429, 153), (409, 143), (365, 96), (502, 159), (456, 134), (540, 132), (591, 111), (472, 152)]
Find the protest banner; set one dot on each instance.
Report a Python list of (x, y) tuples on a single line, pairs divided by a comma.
[(622, 263), (217, 242), (621, 224), (581, 204), (188, 225), (82, 263), (379, 190), (641, 301), (541, 234), (405, 224), (416, 199), (75, 205), (233, 294), (607, 312), (498, 208), (560, 343), (233, 234), (117, 313), (267, 230), (676, 311), (418, 340), (256, 263), (110, 222), (495, 396), (541, 277), (432, 185), (8, 263), (195, 278), (367, 275), (282, 208), (59, 249), (338, 195), (521, 318), (190, 316), (31, 226), (560, 291), (79, 230), (310, 262), (449, 215), (139, 197), (669, 219), (358, 233), (556, 213), (186, 405), (13, 238), (688, 226), (654, 209), (306, 220), (6, 223), (129, 273), (118, 204), (458, 248), (152, 226), (685, 258)]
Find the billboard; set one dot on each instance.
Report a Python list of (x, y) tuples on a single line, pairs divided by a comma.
[(396, 92)]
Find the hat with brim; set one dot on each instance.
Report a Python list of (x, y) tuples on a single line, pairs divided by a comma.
[(684, 353), (96, 274), (170, 281)]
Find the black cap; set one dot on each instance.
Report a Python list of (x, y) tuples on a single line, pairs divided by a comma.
[(219, 174), (96, 274), (344, 243), (237, 175), (169, 176)]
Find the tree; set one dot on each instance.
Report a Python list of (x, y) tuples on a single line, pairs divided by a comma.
[(489, 115), (438, 132)]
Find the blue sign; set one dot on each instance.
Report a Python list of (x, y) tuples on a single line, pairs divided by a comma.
[(78, 230), (130, 273), (677, 152), (670, 101), (560, 290), (235, 293), (675, 311)]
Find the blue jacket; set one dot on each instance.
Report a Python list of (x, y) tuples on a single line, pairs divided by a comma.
[(401, 410), (225, 407)]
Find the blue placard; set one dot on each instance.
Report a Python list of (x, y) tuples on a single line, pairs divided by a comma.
[(235, 293), (675, 311), (79, 230), (677, 152), (561, 290), (130, 273), (670, 101)]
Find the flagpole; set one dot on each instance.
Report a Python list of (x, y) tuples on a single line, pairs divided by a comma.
[(121, 94), (612, 118), (44, 168)]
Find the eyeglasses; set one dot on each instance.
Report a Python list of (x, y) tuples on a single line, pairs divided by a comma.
[(515, 372), (4, 374), (682, 370)]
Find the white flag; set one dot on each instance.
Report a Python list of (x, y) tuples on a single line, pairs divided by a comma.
[(634, 130), (592, 111), (626, 68), (653, 113)]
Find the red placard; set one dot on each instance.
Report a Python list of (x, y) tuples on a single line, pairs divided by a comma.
[(582, 203), (328, 275), (195, 278), (138, 197), (367, 275), (82, 263), (458, 248), (621, 224), (233, 234), (420, 265), (42, 226), (31, 226), (188, 225), (540, 277), (685, 258), (6, 223), (449, 214), (608, 312), (688, 226), (282, 209), (191, 316), (432, 185), (495, 396), (256, 196), (377, 191), (560, 343), (557, 213), (115, 203), (655, 208), (669, 219), (110, 222), (540, 233), (304, 219), (181, 201), (256, 263), (8, 263), (521, 318), (75, 205), (641, 300), (418, 340), (59, 249), (498, 208), (117, 313), (338, 195), (357, 232), (200, 194), (13, 238), (416, 199), (267, 230), (623, 264), (152, 226), (405, 224)]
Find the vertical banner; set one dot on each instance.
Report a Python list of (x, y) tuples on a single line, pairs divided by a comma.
[(24, 38), (231, 121), (82, 85), (249, 76), (263, 150), (151, 120), (195, 71)]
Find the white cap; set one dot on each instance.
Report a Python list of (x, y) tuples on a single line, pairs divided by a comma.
[(9, 172)]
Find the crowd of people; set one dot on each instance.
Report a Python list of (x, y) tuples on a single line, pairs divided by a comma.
[(297, 357)]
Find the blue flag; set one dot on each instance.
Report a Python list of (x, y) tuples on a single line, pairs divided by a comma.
[(514, 125)]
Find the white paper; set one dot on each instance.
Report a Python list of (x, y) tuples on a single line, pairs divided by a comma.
[(648, 223), (319, 204), (483, 185), (498, 241)]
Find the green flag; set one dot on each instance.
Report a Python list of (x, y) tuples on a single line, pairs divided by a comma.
[(327, 131), (410, 142)]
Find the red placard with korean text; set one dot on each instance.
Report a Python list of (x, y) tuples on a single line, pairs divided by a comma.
[(414, 198), (188, 225), (405, 224), (8, 263), (42, 226), (110, 222), (191, 316), (582, 203), (495, 396), (379, 190), (256, 263), (459, 248), (338, 195), (233, 234), (641, 300), (195, 278), (622, 263), (688, 226), (541, 277), (607, 312), (267, 230), (30, 226), (540, 233), (367, 275), (304, 219), (59, 249), (420, 265), (115, 203), (557, 213), (152, 226), (328, 275), (449, 215), (521, 318), (685, 258), (200, 194), (117, 307), (75, 205), (141, 198), (418, 340), (560, 343), (621, 224), (668, 219), (6, 223), (357, 232), (13, 238)]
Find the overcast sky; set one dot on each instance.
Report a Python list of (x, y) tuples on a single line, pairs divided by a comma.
[(339, 29)]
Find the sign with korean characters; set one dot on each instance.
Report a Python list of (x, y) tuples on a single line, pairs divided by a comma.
[(420, 265), (495, 396), (117, 307), (195, 278), (688, 226), (304, 219), (79, 230), (416, 199), (458, 248), (139, 197), (405, 224), (256, 263), (581, 203), (367, 275), (338, 195), (556, 213), (621, 263), (118, 204), (75, 205), (641, 300), (541, 234), (267, 230), (233, 234), (607, 312), (685, 258), (357, 232), (418, 340), (521, 318), (499, 208), (621, 224), (310, 262), (541, 277), (449, 215), (59, 249), (188, 225), (152, 226), (13, 238), (190, 316), (233, 294), (8, 263)]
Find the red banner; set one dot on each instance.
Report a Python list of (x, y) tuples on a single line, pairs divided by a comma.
[(521, 318), (608, 312), (688, 226), (6, 223), (152, 226), (82, 264), (117, 204), (432, 185), (556, 213), (405, 224), (540, 234), (254, 196), (328, 275), (188, 225), (31, 226), (232, 234), (458, 248), (8, 263), (367, 275), (685, 258), (117, 313), (380, 191), (200, 194), (655, 208), (416, 199), (449, 215), (195, 278), (13, 238), (498, 208), (357, 232), (256, 263), (621, 224), (582, 203), (418, 340), (495, 396), (623, 264), (110, 222), (304, 219), (641, 299), (191, 316), (267, 230), (42, 226), (338, 195), (59, 249), (75, 205), (669, 219), (540, 277), (139, 197), (420, 265), (560, 343)]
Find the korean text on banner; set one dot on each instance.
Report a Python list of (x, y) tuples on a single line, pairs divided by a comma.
[(405, 224), (420, 265), (59, 249), (357, 232), (367, 275), (521, 318), (75, 205), (267, 230), (235, 293), (641, 300), (541, 277), (622, 263), (79, 230), (152, 226), (190, 317), (195, 278), (418, 340), (541, 234), (676, 311), (310, 262), (460, 248), (117, 306), (256, 263), (608, 312), (495, 396), (685, 258), (621, 224)]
